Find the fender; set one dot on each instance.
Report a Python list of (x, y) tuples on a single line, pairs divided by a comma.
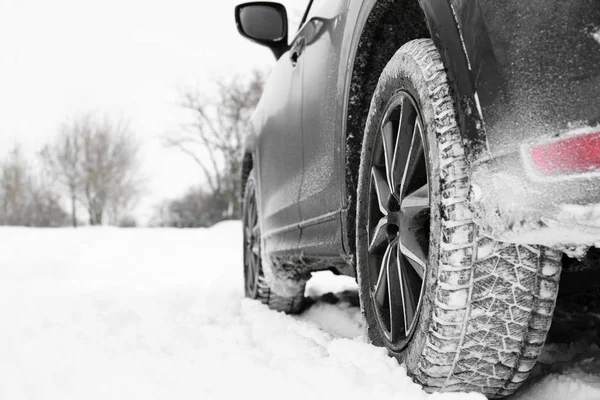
[(449, 37)]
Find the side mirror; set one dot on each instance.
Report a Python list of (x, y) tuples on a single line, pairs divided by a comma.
[(264, 23)]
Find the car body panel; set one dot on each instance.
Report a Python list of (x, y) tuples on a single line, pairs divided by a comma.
[(321, 194), (277, 151), (322, 109)]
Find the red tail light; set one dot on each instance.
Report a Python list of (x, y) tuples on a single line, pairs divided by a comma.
[(573, 155)]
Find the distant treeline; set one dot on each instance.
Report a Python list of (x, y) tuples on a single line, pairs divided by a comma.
[(89, 172)]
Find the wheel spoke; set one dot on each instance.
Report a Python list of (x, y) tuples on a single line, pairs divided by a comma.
[(409, 301), (417, 264), (251, 246), (248, 281), (382, 190), (413, 249), (388, 134), (251, 273), (412, 160), (382, 280), (252, 268), (379, 235), (247, 256), (249, 211), (257, 267), (250, 255), (395, 294), (404, 140), (415, 202)]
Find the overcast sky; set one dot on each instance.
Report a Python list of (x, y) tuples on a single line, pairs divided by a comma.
[(59, 58)]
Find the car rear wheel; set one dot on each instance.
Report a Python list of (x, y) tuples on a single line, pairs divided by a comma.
[(463, 311), (256, 285)]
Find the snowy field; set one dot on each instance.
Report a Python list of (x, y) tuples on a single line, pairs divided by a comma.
[(159, 314)]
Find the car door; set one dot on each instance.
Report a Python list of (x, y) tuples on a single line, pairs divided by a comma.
[(279, 155), (320, 39)]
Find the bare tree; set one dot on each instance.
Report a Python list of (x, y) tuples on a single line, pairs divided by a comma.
[(214, 137), (14, 188), (63, 159), (110, 170), (25, 200), (97, 162)]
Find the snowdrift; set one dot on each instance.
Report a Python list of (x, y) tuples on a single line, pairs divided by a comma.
[(103, 313)]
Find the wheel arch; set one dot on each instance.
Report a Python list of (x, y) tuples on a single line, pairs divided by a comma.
[(458, 31), (382, 28)]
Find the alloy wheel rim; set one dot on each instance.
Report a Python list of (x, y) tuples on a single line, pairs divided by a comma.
[(398, 220), (251, 247)]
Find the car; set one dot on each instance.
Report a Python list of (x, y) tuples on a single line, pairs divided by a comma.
[(445, 153)]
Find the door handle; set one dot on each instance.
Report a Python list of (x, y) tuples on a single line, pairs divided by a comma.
[(297, 49)]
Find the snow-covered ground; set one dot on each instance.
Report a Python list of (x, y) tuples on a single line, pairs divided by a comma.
[(159, 314)]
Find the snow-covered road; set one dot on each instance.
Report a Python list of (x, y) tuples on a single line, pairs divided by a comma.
[(159, 314)]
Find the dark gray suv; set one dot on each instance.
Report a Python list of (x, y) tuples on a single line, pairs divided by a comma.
[(446, 153)]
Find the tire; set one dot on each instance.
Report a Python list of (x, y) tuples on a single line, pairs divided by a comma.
[(255, 284), (483, 308)]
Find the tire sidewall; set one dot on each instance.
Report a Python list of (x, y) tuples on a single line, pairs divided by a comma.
[(403, 73)]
